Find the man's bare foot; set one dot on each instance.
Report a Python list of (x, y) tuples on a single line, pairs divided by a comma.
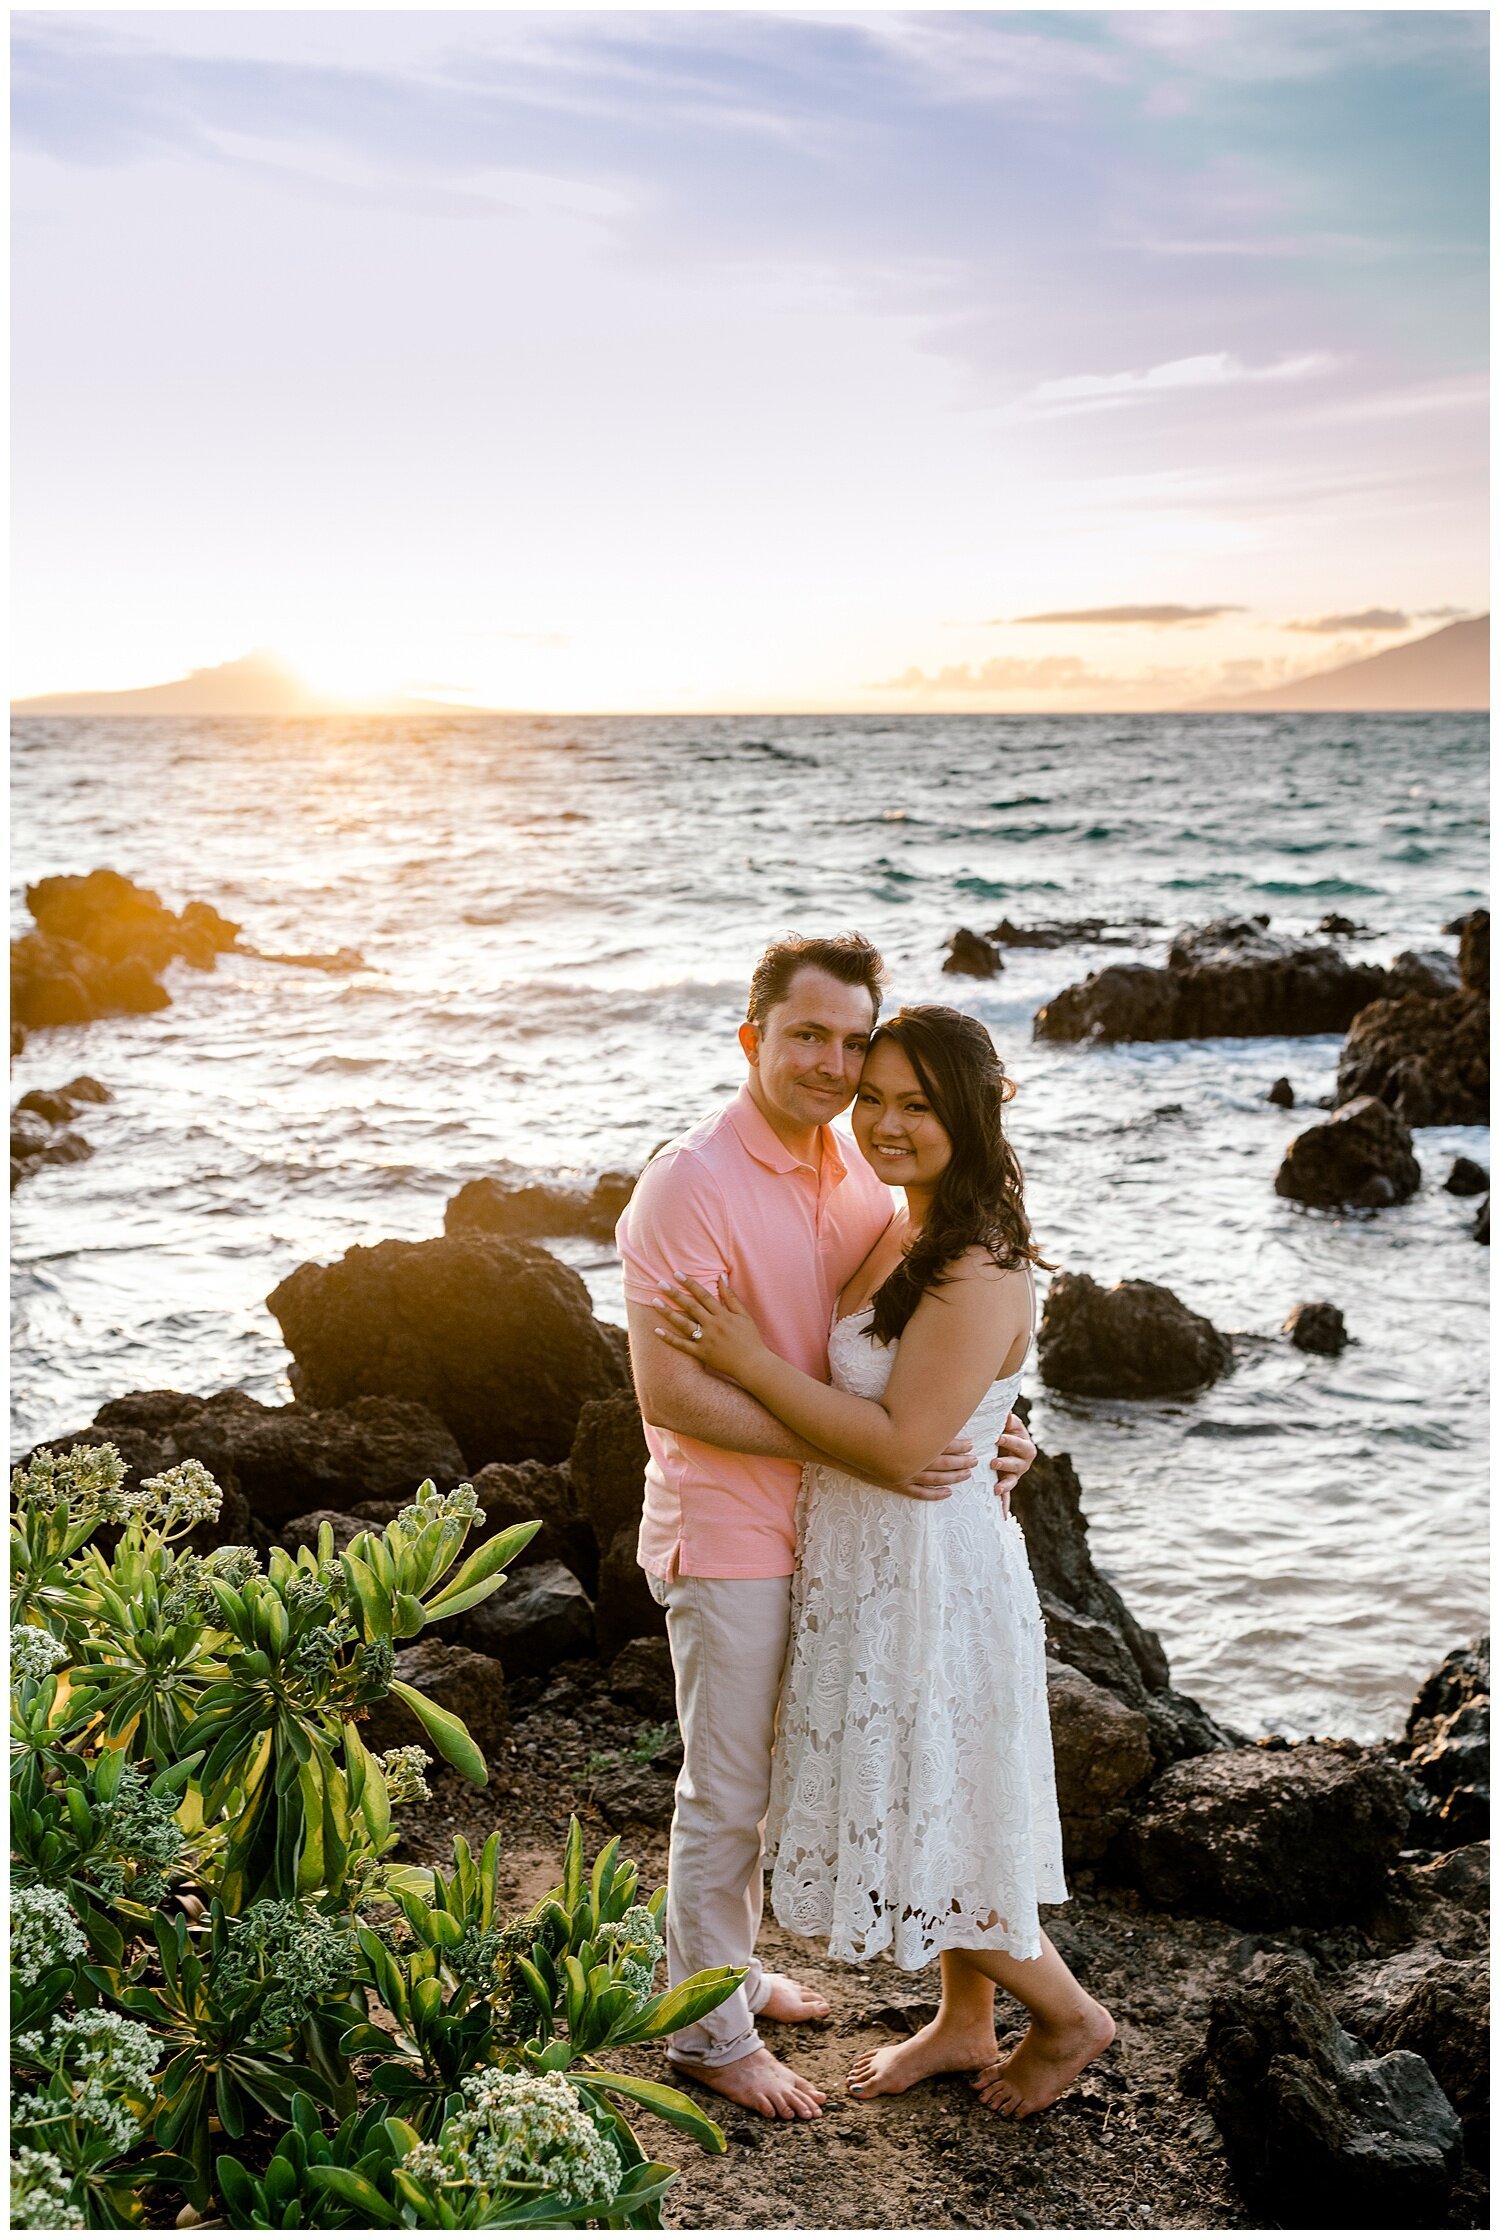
[(761, 2083), (790, 2001), (1045, 2063), (929, 2052)]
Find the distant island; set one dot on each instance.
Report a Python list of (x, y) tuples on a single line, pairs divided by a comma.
[(1448, 669), (255, 685)]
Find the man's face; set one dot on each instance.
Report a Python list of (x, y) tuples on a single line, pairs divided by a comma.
[(808, 1052)]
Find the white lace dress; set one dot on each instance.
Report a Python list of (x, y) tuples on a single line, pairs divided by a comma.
[(913, 1801)]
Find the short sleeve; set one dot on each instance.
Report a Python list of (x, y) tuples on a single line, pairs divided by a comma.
[(675, 1221)]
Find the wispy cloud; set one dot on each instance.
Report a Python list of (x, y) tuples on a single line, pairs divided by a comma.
[(1369, 618), (1213, 369), (1156, 618)]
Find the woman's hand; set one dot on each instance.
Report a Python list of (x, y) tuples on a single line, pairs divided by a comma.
[(713, 1327)]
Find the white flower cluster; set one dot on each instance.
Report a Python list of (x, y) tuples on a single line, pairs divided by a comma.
[(290, 1944), (89, 1479), (404, 1771), (521, 2131), (186, 1494), (635, 1947), (44, 1931), (461, 1506), (34, 1652), (111, 2059), (39, 2188)]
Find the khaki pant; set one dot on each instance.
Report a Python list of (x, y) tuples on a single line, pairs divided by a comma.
[(728, 1639)]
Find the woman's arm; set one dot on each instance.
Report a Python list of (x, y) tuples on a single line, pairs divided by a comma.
[(952, 1349)]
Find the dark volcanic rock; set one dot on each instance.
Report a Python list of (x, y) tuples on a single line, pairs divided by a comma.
[(540, 1617), (497, 1338), (1466, 1178), (1316, 1327), (628, 1793), (1423, 972), (1231, 977), (1088, 1624), (1281, 1092), (539, 1209), (1361, 1155), (1482, 1222), (1060, 934), (1269, 1837), (971, 955), (302, 1532), (608, 1468), (1438, 2008), (99, 945), (512, 1493), (1135, 1341), (1318, 2133), (1446, 1747), (283, 1461), (37, 1141), (1427, 1054), (1102, 1750), (472, 1687), (641, 1678)]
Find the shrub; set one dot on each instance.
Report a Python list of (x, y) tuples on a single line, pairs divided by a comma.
[(205, 1902)]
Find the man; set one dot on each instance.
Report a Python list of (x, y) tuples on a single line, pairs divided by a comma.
[(766, 1193)]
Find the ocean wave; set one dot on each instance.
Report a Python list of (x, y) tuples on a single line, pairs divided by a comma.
[(1314, 887)]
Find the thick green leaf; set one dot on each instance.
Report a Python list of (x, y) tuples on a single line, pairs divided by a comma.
[(675, 2009), (483, 1569), (449, 1735), (237, 2187), (675, 2107)]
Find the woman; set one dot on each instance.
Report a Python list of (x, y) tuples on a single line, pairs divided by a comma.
[(914, 1809)]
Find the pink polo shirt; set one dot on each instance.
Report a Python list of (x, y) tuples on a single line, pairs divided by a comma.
[(728, 1198)]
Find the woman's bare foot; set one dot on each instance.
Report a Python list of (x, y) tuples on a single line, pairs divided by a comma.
[(761, 2083), (790, 2001), (1045, 2063), (932, 2051)]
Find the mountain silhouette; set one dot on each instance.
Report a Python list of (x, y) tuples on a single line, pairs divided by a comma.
[(1448, 669)]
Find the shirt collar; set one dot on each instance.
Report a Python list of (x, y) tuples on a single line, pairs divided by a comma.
[(764, 1144)]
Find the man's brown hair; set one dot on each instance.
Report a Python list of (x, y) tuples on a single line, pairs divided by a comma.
[(846, 956)]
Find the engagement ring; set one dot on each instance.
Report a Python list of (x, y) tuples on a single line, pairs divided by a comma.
[(696, 1332)]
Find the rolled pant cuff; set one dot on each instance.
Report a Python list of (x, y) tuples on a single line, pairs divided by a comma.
[(717, 2057)]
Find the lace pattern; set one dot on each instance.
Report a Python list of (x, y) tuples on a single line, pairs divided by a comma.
[(914, 1806)]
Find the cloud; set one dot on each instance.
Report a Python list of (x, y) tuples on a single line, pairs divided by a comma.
[(1155, 617), (1214, 369), (1372, 618), (1056, 672)]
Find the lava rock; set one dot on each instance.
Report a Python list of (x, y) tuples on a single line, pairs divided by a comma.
[(641, 1678), (1268, 1838), (1361, 1155), (539, 1209), (285, 1461), (1281, 1092), (1101, 1751), (84, 1089), (56, 983), (1335, 923), (1423, 972), (1482, 1222), (1231, 977), (970, 954), (1438, 2008), (1427, 1055), (498, 1338), (51, 1104), (302, 1532), (1466, 1178), (512, 1493), (635, 1795), (1446, 1748), (608, 1464), (1317, 2132), (99, 945), (1135, 1341), (471, 1686), (1316, 1327), (1088, 1623), (541, 1617)]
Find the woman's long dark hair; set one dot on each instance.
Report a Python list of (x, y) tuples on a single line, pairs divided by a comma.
[(978, 1199)]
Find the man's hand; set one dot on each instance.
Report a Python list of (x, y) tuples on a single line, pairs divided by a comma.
[(1015, 1452), (937, 1481)]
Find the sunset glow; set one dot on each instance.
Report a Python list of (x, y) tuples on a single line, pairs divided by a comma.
[(687, 361)]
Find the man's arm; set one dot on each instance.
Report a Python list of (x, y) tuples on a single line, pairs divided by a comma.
[(679, 1394)]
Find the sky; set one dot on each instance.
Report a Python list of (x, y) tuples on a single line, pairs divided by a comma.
[(663, 360)]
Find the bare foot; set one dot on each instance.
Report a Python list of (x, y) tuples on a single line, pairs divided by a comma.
[(929, 2052), (761, 2083), (1045, 2063), (790, 2001)]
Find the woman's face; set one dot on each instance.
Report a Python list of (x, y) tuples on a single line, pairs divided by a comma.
[(894, 1125)]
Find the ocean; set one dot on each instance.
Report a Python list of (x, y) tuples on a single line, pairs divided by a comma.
[(560, 915)]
